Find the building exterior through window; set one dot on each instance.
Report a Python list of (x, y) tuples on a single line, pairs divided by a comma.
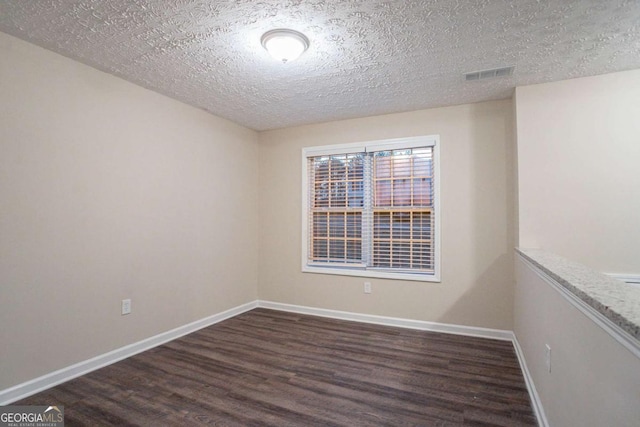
[(372, 209)]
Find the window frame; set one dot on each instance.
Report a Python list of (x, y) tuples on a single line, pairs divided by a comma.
[(378, 145)]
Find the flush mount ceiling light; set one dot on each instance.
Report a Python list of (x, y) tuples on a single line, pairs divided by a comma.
[(284, 45)]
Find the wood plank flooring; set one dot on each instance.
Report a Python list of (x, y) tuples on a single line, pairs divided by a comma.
[(271, 368)]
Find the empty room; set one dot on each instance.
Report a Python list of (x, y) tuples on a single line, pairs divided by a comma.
[(320, 213)]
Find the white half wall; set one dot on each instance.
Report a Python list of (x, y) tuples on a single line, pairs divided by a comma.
[(594, 380)]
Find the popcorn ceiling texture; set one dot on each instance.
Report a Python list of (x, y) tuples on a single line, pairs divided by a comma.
[(366, 57)]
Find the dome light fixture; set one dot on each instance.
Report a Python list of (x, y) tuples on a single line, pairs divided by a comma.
[(284, 45)]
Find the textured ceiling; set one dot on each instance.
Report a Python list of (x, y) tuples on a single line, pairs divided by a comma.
[(366, 57)]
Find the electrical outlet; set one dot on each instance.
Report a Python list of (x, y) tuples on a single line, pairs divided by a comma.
[(367, 287), (547, 357), (126, 306)]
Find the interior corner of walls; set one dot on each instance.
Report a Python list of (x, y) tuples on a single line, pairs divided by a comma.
[(124, 187)]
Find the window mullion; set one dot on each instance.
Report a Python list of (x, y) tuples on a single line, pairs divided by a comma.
[(367, 211), (345, 234), (411, 240)]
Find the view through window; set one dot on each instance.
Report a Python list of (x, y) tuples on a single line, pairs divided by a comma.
[(372, 211)]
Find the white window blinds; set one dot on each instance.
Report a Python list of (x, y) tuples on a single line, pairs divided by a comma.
[(372, 210), (336, 206)]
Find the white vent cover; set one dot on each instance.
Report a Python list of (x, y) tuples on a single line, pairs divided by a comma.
[(489, 74)]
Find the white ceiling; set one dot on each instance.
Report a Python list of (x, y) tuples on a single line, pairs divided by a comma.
[(366, 57)]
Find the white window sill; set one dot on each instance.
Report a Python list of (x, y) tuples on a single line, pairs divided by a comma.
[(417, 277)]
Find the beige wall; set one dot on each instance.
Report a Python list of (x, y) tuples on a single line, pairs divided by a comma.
[(594, 380), (578, 158), (578, 196), (477, 219), (109, 191)]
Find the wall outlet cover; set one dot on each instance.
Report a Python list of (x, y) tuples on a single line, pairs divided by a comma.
[(126, 306)]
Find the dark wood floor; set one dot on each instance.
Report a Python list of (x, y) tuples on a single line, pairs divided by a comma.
[(271, 368)]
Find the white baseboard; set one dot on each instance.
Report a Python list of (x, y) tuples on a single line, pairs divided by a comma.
[(531, 387), (44, 382), (472, 331), (52, 379)]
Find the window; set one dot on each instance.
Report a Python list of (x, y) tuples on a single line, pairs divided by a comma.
[(371, 209)]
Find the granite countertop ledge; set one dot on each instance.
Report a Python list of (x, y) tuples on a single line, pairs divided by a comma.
[(616, 300)]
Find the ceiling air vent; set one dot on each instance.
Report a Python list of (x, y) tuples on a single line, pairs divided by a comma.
[(489, 74)]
